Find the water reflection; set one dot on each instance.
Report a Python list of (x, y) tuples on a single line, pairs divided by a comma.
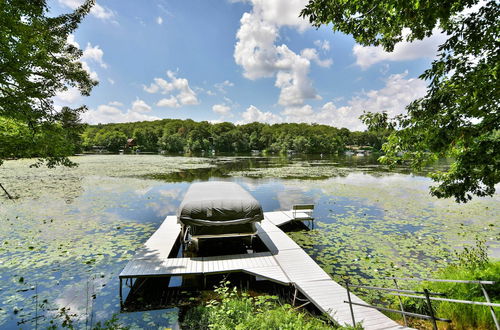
[(369, 221)]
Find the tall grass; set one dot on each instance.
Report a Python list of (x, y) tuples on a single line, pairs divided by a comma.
[(472, 264), (231, 310)]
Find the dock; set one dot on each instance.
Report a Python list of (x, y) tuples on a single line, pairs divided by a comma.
[(285, 263)]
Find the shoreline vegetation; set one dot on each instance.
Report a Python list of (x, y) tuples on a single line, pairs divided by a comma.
[(226, 308), (471, 264), (175, 135)]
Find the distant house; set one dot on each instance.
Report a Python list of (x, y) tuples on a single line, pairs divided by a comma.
[(130, 143)]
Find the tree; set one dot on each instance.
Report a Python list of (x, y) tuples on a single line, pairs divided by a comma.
[(376, 121), (147, 138), (459, 115), (36, 62), (172, 143), (379, 127), (72, 125), (114, 140)]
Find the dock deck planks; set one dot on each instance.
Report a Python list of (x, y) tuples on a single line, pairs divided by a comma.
[(286, 263)]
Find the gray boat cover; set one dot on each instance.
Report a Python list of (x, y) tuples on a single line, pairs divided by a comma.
[(224, 206)]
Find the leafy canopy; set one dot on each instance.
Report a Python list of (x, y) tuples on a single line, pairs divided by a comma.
[(458, 117), (36, 62)]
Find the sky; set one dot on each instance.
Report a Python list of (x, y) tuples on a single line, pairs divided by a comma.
[(237, 61)]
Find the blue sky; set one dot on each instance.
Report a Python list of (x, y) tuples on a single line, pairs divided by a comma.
[(238, 61)]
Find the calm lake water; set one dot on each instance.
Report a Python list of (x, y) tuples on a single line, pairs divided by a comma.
[(70, 232)]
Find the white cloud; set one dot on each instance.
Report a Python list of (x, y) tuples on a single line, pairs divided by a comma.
[(221, 86), (72, 95), (221, 109), (215, 121), (101, 12), (112, 113), (97, 10), (260, 57), (252, 114), (323, 45), (312, 55), (170, 102), (282, 12), (255, 50), (93, 75), (68, 97), (403, 51), (298, 112), (71, 40), (293, 81), (91, 53), (153, 88), (108, 110), (94, 53), (159, 20), (140, 106), (185, 95), (397, 93), (111, 81)]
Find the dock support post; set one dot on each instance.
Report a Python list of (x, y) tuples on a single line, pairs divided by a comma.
[(294, 296), (431, 311), (491, 308), (350, 302), (401, 303), (121, 293)]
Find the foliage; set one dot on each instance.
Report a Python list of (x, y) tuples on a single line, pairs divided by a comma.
[(474, 257), (241, 311), (73, 128), (472, 264), (379, 124), (377, 121), (36, 62), (174, 135), (459, 115), (19, 141), (114, 140), (464, 316), (15, 137)]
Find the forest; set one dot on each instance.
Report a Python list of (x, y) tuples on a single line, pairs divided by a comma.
[(175, 135)]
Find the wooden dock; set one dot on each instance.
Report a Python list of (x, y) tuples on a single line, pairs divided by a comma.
[(286, 263)]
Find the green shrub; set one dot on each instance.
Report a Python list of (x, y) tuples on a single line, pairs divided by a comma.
[(231, 310), (466, 316), (472, 264)]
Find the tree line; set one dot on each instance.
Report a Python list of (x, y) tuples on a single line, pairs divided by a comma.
[(175, 135)]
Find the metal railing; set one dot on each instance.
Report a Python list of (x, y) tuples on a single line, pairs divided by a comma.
[(425, 294)]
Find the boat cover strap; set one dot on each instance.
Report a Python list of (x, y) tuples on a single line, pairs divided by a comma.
[(202, 222)]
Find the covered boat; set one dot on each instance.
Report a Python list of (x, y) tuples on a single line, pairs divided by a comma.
[(218, 209)]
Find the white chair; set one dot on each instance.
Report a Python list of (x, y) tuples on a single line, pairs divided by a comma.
[(303, 212)]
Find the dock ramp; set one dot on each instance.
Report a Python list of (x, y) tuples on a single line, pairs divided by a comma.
[(286, 263)]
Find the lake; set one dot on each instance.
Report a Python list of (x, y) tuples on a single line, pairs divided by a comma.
[(70, 231)]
